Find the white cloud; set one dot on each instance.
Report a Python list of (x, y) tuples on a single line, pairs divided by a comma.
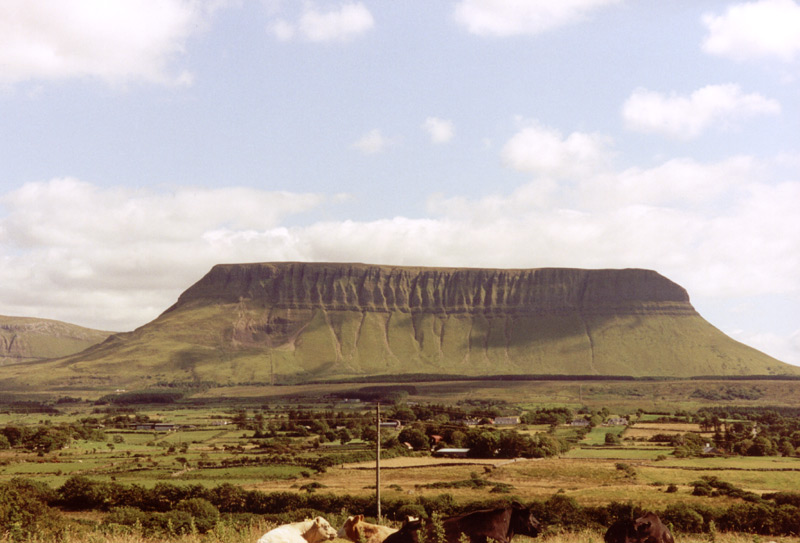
[(681, 183), (755, 30), (544, 151), (283, 30), (373, 142), (343, 24), (687, 117), (515, 17), (440, 130), (136, 40)]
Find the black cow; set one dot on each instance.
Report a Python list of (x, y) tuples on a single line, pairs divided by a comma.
[(500, 524), (645, 529)]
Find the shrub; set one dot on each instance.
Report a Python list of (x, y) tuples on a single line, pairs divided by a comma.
[(626, 469), (204, 513), (683, 517), (23, 513)]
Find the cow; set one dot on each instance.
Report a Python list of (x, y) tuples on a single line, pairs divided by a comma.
[(499, 524), (408, 532), (358, 531), (308, 531), (650, 529), (647, 528)]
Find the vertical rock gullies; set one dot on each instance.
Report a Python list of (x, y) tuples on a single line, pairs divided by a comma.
[(361, 287)]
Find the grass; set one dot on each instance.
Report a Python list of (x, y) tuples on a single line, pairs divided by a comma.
[(617, 453)]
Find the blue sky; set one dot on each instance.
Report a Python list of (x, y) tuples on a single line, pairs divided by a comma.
[(144, 141)]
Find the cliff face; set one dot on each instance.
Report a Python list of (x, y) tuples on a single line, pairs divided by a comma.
[(293, 322), (441, 291)]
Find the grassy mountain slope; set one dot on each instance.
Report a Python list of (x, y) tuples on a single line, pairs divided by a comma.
[(290, 322), (24, 339)]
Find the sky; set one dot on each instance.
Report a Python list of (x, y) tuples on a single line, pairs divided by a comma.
[(144, 141)]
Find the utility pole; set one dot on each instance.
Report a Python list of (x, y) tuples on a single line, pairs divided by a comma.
[(378, 458)]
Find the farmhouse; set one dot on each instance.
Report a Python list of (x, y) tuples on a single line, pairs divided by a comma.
[(506, 421), (470, 422), (616, 421)]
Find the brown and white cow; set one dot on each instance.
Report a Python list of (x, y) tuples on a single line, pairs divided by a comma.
[(358, 531)]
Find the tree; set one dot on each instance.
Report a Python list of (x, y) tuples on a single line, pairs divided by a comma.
[(240, 419), (786, 448), (457, 438), (482, 444), (761, 446), (368, 433), (414, 437), (511, 445), (403, 413)]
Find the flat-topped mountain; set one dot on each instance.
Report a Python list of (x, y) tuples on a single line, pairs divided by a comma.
[(292, 321), (25, 339), (473, 291)]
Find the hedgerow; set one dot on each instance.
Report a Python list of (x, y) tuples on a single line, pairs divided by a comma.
[(27, 508)]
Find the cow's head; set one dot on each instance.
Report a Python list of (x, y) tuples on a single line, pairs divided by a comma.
[(324, 529), (645, 525), (408, 532), (348, 529), (522, 520)]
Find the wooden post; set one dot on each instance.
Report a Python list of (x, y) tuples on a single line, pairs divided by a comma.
[(378, 459)]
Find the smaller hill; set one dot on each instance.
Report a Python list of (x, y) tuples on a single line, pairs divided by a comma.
[(26, 339)]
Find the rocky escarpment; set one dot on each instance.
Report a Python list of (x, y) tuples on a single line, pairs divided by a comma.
[(25, 339), (359, 287)]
